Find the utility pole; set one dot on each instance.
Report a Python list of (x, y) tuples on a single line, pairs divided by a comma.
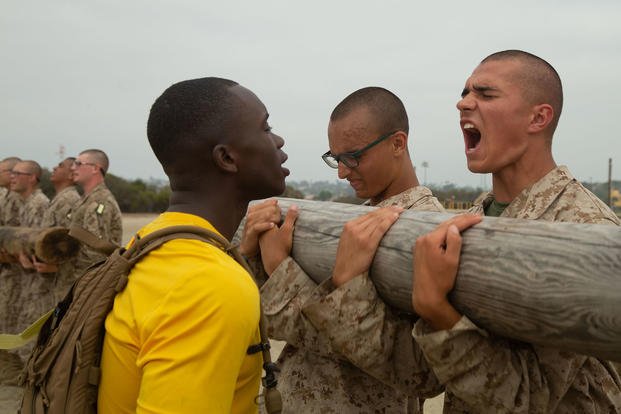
[(610, 182), (61, 152), (425, 165)]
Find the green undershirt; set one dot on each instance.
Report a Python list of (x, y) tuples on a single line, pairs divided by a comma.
[(495, 209)]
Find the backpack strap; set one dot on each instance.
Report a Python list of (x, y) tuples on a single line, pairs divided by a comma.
[(8, 341), (92, 241), (144, 245)]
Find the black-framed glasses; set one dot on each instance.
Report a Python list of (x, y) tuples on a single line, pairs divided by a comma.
[(351, 159), (79, 163)]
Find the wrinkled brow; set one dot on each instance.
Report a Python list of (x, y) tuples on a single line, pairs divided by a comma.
[(481, 89)]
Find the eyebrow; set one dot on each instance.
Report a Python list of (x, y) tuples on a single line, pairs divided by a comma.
[(478, 89)]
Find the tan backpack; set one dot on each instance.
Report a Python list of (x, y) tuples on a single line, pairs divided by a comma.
[(62, 374)]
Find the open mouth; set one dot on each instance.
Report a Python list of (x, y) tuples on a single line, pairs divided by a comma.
[(472, 136)]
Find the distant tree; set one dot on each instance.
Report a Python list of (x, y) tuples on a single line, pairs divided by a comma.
[(292, 192), (324, 195), (45, 184), (137, 196), (349, 200)]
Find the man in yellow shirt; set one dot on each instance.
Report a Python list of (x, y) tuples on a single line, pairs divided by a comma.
[(177, 338)]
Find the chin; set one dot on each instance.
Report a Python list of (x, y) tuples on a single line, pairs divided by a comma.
[(477, 168)]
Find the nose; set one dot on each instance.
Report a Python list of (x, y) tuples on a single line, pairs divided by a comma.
[(466, 103), (343, 170), (278, 140)]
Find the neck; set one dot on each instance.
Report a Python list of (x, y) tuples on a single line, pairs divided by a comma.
[(224, 213), (405, 179), (508, 183), (90, 186), (27, 193), (58, 187)]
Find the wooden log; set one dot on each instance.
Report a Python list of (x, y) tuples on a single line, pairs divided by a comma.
[(555, 284), (51, 245)]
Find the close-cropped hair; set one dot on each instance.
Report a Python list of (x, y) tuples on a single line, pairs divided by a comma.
[(387, 109), (99, 157), (539, 81), (34, 168), (188, 117)]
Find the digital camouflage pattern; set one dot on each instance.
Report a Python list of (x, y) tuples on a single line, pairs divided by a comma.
[(9, 209), (99, 213), (10, 363), (57, 213), (31, 294), (3, 193), (31, 211), (315, 378), (10, 204), (481, 372), (14, 278), (506, 375)]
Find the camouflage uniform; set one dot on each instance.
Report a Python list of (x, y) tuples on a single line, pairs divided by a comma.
[(9, 209), (9, 216), (31, 212), (313, 377), (482, 372), (3, 193), (99, 213), (10, 363), (14, 277), (10, 205), (57, 214), (31, 293)]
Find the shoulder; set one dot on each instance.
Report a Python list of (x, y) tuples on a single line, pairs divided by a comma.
[(39, 200), (101, 203), (578, 204), (196, 276)]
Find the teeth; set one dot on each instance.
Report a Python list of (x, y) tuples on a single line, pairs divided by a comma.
[(468, 125)]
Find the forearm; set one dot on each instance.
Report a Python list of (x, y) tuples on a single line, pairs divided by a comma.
[(283, 296), (487, 371), (372, 336)]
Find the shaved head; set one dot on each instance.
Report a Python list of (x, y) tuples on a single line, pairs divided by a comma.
[(98, 157), (384, 106), (32, 167), (188, 119), (6, 165), (538, 80)]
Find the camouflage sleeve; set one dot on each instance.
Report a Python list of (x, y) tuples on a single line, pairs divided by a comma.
[(256, 266), (283, 296), (353, 314), (37, 214), (100, 219), (495, 374)]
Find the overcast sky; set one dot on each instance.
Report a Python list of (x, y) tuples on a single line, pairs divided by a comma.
[(84, 73)]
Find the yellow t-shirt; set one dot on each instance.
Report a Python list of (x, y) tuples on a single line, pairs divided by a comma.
[(177, 336)]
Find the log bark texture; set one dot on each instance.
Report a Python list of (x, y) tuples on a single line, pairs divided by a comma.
[(50, 245), (555, 284)]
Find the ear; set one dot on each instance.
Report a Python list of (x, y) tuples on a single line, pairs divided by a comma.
[(541, 117), (224, 158), (399, 142)]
